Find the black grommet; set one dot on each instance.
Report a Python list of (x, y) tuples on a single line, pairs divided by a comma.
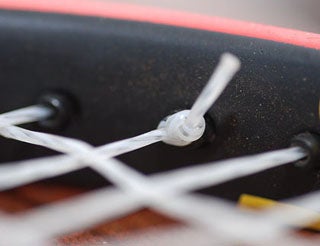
[(310, 142), (63, 107)]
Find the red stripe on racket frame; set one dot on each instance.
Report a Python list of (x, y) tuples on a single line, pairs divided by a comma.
[(166, 17)]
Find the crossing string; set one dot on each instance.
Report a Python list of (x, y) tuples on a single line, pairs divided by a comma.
[(165, 192)]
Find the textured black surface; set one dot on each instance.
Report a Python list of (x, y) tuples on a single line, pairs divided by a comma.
[(127, 76)]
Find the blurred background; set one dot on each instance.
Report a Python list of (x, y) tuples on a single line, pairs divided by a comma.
[(296, 14)]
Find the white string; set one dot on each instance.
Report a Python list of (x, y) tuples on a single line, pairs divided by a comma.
[(129, 184), (117, 173), (164, 192), (226, 69), (126, 181), (187, 126), (131, 144), (177, 236), (182, 236), (195, 177), (22, 172), (134, 183), (89, 209), (180, 207), (49, 221), (224, 72), (201, 176), (57, 143), (305, 214), (77, 213), (25, 115)]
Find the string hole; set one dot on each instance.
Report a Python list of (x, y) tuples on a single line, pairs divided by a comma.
[(64, 108)]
